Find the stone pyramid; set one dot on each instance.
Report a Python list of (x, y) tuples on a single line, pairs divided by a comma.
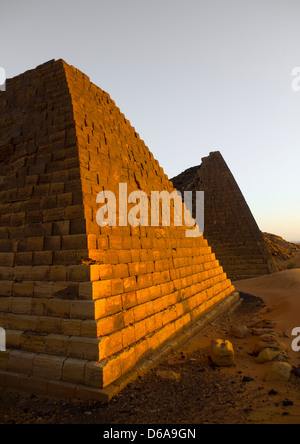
[(87, 308), (230, 227)]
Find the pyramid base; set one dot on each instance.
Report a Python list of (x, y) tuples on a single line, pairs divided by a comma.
[(56, 388)]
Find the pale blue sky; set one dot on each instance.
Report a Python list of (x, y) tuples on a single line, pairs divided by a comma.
[(192, 76)]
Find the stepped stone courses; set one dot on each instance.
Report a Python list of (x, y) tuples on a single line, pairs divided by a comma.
[(230, 227), (83, 305)]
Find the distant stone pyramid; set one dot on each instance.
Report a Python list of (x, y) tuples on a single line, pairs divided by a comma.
[(83, 305), (230, 227)]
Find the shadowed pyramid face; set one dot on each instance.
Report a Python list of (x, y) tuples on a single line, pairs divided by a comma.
[(84, 304), (230, 227)]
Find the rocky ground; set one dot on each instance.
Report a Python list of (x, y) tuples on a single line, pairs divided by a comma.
[(289, 264), (282, 251), (185, 389)]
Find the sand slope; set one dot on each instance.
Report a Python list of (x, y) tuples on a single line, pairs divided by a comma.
[(280, 291)]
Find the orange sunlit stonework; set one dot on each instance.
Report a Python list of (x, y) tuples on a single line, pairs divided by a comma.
[(83, 304)]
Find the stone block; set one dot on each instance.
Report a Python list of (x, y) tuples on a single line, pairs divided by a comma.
[(281, 371), (222, 353), (48, 367), (74, 370)]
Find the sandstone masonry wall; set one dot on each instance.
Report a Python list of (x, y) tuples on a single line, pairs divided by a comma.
[(82, 305), (230, 227)]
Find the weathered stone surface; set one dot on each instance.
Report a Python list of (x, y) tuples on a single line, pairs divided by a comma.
[(265, 324), (269, 354), (48, 367), (73, 370), (280, 249), (274, 345), (262, 332), (73, 291), (240, 332), (222, 353), (281, 371), (268, 338), (229, 224)]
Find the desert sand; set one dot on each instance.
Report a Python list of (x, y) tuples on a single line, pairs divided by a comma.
[(281, 293)]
